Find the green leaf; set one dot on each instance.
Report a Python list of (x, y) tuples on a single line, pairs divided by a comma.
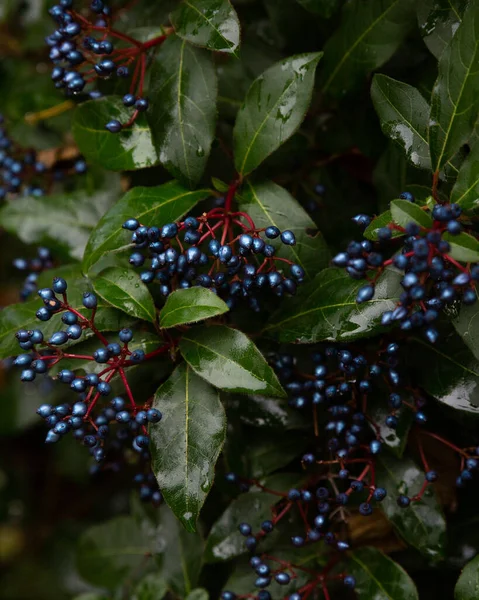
[(464, 247), (382, 220), (369, 34), (229, 360), (404, 117), (182, 112), (198, 594), (187, 442), (422, 524), (467, 326), (454, 103), (108, 553), (59, 220), (189, 306), (438, 21), (394, 439), (225, 541), (269, 204), (151, 587), (131, 148), (264, 456), (450, 373), (378, 577), (219, 185), (467, 586), (122, 288), (150, 205), (22, 315), (323, 8), (212, 24), (273, 110), (326, 309), (466, 189), (404, 212), (266, 413)]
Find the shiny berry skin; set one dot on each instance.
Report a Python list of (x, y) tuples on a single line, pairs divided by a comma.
[(141, 104), (282, 578), (403, 501), (59, 285), (129, 100), (244, 529), (125, 335), (349, 581), (365, 509), (101, 355), (153, 415), (113, 126), (59, 338), (365, 293), (43, 314), (272, 232), (431, 476), (379, 494), (89, 300), (288, 238)]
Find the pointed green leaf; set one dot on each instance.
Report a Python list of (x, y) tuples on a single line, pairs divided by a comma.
[(378, 577), (269, 204), (326, 309), (467, 586), (182, 113), (187, 442), (382, 220), (422, 524), (274, 108), (150, 587), (438, 21), (404, 117), (150, 205), (123, 289), (189, 306), (229, 360), (404, 212), (212, 24), (131, 148), (369, 34), (454, 100), (464, 247), (466, 189)]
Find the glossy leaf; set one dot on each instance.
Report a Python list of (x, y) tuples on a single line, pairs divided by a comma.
[(187, 442), (438, 21), (60, 220), (212, 24), (369, 34), (150, 205), (454, 104), (123, 289), (270, 204), (466, 323), (323, 8), (182, 114), (379, 577), (404, 212), (265, 456), (466, 189), (464, 247), (467, 586), (268, 413), (450, 373), (150, 587), (394, 439), (225, 541), (326, 309), (404, 117), (274, 108), (131, 148), (229, 360), (112, 551), (382, 220), (422, 524), (189, 306)]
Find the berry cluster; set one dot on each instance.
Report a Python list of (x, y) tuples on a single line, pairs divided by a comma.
[(432, 278), (108, 430), (82, 52), (34, 266), (22, 172), (219, 250)]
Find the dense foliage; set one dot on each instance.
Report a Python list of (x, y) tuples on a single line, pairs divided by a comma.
[(240, 266)]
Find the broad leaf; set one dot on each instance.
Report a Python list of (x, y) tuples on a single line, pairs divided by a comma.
[(266, 413), (131, 148), (198, 594), (150, 205), (187, 442), (404, 212), (123, 289), (466, 189), (274, 108), (369, 34), (60, 220), (422, 524), (182, 114), (225, 541), (229, 360), (454, 103), (326, 309), (265, 456), (151, 587), (466, 323), (382, 220), (404, 117), (323, 8), (464, 247), (438, 21), (379, 577), (270, 204), (467, 586), (189, 306), (212, 24), (394, 439)]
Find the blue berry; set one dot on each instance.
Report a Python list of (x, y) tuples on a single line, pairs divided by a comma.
[(113, 126), (89, 300)]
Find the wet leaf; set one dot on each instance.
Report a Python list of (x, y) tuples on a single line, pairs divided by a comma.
[(151, 587), (394, 439), (404, 212), (467, 586), (466, 189), (190, 306), (438, 21)]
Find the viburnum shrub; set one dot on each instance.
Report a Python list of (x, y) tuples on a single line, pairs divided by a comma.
[(250, 327)]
